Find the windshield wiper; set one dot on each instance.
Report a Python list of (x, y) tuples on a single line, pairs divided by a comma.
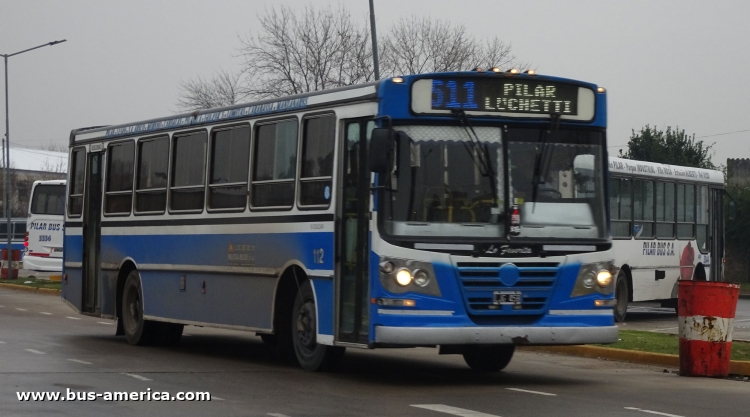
[(479, 154), (541, 156)]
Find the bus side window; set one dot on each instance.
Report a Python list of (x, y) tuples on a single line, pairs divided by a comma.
[(230, 159), (685, 211), (701, 228), (619, 206), (665, 209), (78, 171), (119, 192), (643, 204), (274, 165), (317, 161), (151, 185)]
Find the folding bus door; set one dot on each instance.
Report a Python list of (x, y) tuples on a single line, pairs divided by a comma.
[(92, 214)]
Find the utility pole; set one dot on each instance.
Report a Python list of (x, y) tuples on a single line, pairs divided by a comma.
[(374, 41)]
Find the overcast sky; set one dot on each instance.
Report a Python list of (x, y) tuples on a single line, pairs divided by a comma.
[(664, 63)]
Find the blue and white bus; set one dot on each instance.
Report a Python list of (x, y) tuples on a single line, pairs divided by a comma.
[(461, 210)]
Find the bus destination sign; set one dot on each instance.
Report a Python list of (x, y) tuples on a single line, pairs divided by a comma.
[(505, 96)]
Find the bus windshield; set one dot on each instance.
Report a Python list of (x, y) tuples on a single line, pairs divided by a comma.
[(447, 186), (48, 199)]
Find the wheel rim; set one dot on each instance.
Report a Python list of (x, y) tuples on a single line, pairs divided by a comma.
[(132, 310), (306, 326), (622, 296)]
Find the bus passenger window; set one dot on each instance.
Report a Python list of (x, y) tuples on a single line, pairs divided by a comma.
[(317, 161), (77, 174), (685, 211), (665, 205), (186, 192), (701, 218), (275, 165), (119, 194), (643, 204), (151, 186), (619, 206), (230, 158)]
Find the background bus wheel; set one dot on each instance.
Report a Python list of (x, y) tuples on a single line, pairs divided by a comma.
[(310, 355), (137, 330), (490, 358), (622, 294)]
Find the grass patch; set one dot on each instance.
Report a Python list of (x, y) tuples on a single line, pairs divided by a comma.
[(34, 283), (667, 343), (745, 288)]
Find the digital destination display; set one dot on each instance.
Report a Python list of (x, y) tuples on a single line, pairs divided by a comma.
[(507, 95)]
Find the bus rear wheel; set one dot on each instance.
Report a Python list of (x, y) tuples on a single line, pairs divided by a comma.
[(310, 355), (137, 330), (490, 358), (622, 295)]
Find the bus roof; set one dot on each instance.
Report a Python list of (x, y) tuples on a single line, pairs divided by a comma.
[(50, 182), (664, 171)]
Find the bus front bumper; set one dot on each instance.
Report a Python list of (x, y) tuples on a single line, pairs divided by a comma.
[(430, 336)]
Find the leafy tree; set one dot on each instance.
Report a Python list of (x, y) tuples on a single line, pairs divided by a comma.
[(668, 147)]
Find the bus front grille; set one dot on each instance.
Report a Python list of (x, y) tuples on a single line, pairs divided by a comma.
[(482, 282)]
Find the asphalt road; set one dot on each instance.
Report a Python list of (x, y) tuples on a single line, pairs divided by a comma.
[(45, 346)]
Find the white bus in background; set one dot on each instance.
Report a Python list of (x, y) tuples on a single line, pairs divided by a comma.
[(44, 229), (667, 225)]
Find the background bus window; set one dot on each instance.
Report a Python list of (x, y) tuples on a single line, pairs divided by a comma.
[(620, 207), (317, 161), (685, 211), (665, 199), (78, 172), (187, 190), (643, 202), (19, 228), (48, 199), (230, 158), (701, 219), (119, 194), (151, 186), (275, 164)]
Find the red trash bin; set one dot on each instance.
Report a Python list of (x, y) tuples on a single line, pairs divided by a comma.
[(706, 317), (14, 264)]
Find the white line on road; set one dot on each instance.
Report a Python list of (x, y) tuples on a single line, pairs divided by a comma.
[(45, 313), (80, 361), (532, 392), (20, 309), (2, 306), (652, 412), (461, 412), (142, 378), (1, 342), (35, 351), (217, 398), (73, 318), (103, 322), (277, 415)]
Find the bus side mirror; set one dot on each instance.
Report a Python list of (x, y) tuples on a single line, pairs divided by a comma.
[(381, 150)]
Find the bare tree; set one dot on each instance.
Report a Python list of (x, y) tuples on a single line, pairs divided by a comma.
[(315, 49), (224, 89)]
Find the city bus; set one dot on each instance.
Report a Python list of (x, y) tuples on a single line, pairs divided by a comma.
[(464, 210), (667, 225), (44, 227)]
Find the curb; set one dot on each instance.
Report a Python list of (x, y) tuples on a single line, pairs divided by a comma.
[(634, 356), (49, 291)]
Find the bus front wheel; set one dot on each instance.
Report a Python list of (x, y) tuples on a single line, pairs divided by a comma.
[(622, 294), (310, 355), (490, 358), (137, 330)]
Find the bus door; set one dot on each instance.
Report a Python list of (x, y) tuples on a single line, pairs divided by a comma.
[(716, 234), (92, 231), (353, 234)]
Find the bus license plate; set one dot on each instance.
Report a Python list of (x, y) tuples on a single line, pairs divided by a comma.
[(508, 298)]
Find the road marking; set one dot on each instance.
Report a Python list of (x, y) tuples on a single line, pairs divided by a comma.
[(20, 309), (652, 412), (80, 361), (45, 313), (217, 398), (73, 318), (35, 351), (2, 306), (461, 412), (142, 378), (103, 322), (277, 415), (532, 392), (1, 342)]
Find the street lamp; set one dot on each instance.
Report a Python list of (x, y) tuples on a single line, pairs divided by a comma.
[(7, 150)]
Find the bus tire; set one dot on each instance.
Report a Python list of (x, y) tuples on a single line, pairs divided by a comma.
[(488, 358), (137, 330), (310, 355), (622, 295)]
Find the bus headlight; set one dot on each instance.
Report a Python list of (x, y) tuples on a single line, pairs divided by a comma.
[(399, 276), (594, 277), (403, 277)]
